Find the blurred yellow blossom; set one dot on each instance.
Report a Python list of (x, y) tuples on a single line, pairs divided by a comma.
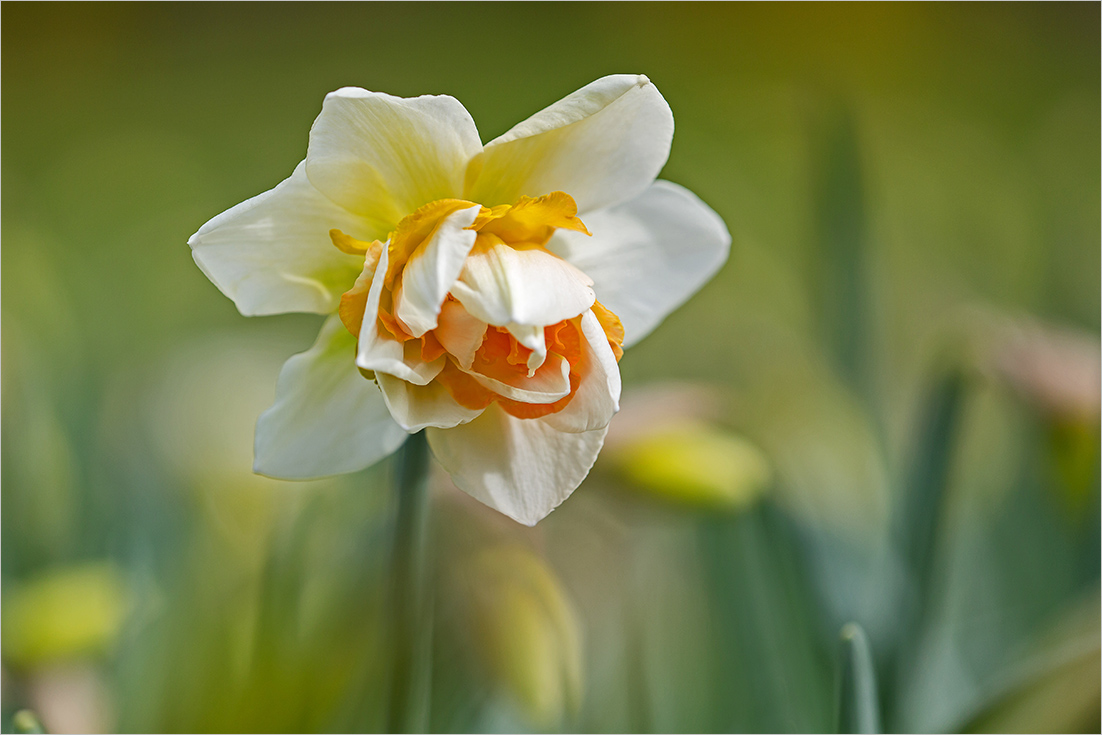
[(696, 464), (528, 634), (64, 613), (670, 446)]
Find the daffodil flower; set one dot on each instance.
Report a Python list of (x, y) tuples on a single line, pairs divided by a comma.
[(482, 293)]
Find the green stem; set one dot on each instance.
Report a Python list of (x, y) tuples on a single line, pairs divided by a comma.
[(410, 608)]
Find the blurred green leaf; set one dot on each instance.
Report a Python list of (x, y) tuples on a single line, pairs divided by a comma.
[(1062, 697), (921, 507), (771, 670), (918, 527), (1059, 689), (858, 706), (842, 233), (1075, 457)]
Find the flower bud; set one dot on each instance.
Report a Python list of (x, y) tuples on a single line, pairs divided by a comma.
[(63, 614), (528, 633), (696, 464)]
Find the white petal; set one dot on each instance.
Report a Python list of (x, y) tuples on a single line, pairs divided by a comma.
[(460, 333), (502, 285), (383, 156), (521, 467), (598, 397), (602, 145), (649, 255), (546, 385), (327, 418), (432, 269), (415, 407), (272, 254), (379, 351)]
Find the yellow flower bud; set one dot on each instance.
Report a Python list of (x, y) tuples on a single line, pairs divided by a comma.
[(62, 614), (694, 463), (528, 633)]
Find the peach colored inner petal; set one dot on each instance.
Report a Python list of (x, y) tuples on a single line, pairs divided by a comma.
[(501, 353), (431, 347), (466, 391), (460, 333)]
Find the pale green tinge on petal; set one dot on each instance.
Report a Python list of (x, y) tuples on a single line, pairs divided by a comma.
[(272, 254), (432, 269), (598, 397), (496, 286), (648, 256), (383, 156), (603, 144), (416, 407), (327, 418), (380, 351), (523, 468)]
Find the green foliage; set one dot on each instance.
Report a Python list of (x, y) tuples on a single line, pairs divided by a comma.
[(904, 184)]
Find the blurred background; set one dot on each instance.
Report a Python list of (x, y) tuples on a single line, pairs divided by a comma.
[(884, 409)]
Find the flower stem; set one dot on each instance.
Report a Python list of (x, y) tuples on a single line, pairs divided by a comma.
[(410, 608)]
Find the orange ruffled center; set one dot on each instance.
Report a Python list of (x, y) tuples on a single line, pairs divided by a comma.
[(528, 223)]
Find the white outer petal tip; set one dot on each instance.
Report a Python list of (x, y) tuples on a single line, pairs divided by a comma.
[(271, 254), (523, 468), (602, 144), (647, 256), (383, 156)]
